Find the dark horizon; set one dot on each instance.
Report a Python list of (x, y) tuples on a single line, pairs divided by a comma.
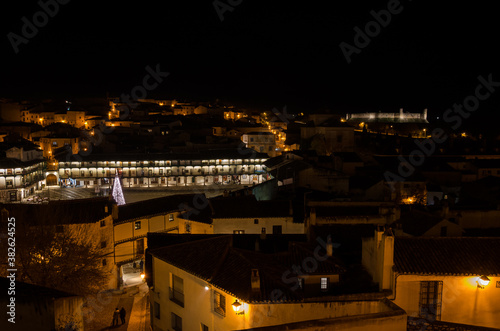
[(261, 55)]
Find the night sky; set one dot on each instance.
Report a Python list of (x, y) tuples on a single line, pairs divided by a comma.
[(263, 54)]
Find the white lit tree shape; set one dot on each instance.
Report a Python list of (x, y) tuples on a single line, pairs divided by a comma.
[(117, 192)]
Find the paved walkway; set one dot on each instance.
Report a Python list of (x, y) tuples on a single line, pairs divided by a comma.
[(98, 314), (132, 194), (139, 317)]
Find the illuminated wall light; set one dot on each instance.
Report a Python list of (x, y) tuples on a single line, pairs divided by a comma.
[(238, 308), (482, 282)]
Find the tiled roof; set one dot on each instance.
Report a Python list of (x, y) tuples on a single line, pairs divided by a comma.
[(436, 164), (248, 207), (447, 256), (327, 211), (207, 154), (487, 163), (219, 263), (287, 169), (258, 133), (203, 215), (417, 222), (274, 161), (392, 163), (26, 145), (7, 163), (362, 182), (477, 232), (348, 156), (156, 206), (61, 211), (27, 292), (14, 124)]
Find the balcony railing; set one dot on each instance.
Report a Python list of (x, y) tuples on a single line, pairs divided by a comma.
[(177, 297), (220, 310), (145, 175), (101, 165)]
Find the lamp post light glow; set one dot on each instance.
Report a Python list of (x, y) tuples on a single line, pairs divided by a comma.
[(237, 308), (143, 275), (482, 282)]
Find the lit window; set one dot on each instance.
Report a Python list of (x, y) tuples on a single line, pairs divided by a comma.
[(324, 283), (300, 283), (137, 225)]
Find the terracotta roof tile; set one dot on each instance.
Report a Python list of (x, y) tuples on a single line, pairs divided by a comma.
[(155, 206), (59, 212), (447, 256), (216, 261), (248, 207)]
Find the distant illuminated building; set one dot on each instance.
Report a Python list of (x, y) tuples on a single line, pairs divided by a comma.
[(220, 167), (392, 123)]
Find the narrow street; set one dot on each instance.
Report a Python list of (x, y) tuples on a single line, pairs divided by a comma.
[(98, 311)]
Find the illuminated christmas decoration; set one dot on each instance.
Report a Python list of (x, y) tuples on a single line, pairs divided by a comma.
[(117, 192)]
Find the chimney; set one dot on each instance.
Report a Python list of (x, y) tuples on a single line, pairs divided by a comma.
[(378, 256), (401, 115), (424, 114), (313, 216), (329, 246), (255, 280), (387, 259), (378, 234)]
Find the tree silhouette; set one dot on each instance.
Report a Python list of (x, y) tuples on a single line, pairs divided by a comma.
[(54, 254)]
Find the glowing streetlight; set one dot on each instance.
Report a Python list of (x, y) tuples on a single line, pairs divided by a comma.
[(482, 282), (237, 307)]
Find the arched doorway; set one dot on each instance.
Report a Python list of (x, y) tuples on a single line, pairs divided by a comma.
[(51, 180)]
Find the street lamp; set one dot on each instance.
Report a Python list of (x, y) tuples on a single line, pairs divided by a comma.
[(482, 282), (237, 308)]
